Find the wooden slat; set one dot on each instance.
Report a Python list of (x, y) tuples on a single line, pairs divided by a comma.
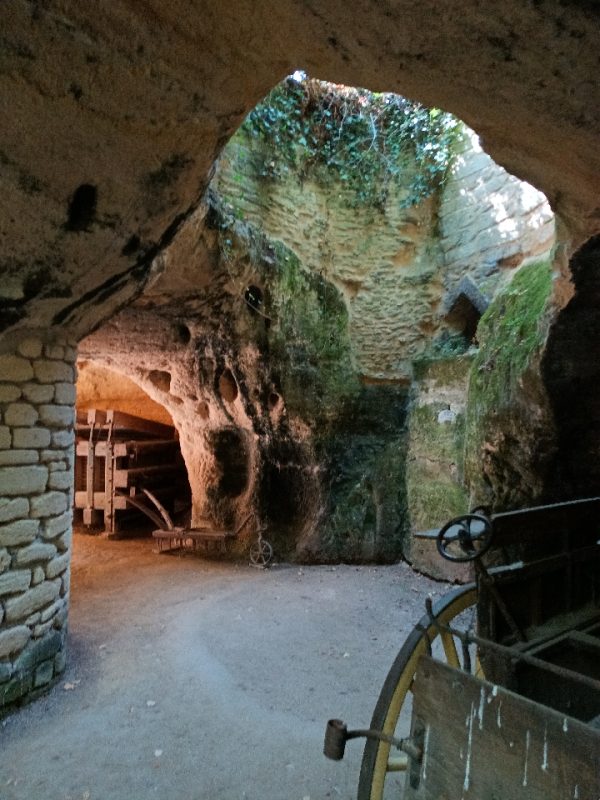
[(482, 742), (548, 523), (128, 477), (99, 501), (128, 422)]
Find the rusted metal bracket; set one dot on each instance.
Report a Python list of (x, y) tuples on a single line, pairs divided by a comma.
[(337, 734)]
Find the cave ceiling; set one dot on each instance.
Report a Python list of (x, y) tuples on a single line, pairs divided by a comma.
[(114, 114)]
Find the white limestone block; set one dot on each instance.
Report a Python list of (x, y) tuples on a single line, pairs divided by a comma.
[(16, 508), (15, 369), (38, 393), (9, 392), (18, 608), (15, 581), (31, 437), (18, 456), (21, 414), (53, 371), (13, 640), (37, 551), (31, 347), (18, 532), (23, 480), (57, 416), (64, 393), (48, 505)]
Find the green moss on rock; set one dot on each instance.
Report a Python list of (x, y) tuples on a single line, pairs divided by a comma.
[(434, 472), (511, 335), (364, 458)]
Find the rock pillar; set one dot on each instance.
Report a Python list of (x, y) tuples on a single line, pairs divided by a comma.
[(37, 399)]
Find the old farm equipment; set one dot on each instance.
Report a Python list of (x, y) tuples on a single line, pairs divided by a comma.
[(206, 536), (118, 457), (495, 695)]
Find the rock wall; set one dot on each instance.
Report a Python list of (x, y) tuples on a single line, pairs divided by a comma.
[(489, 222), (302, 314), (510, 429), (263, 390), (435, 459), (102, 388), (37, 397), (387, 266), (398, 269), (570, 374)]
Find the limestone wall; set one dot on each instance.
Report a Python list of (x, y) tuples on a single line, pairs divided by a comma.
[(386, 265), (98, 387), (397, 269), (37, 397), (489, 221), (435, 459)]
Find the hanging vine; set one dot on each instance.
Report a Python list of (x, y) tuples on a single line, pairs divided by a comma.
[(370, 142)]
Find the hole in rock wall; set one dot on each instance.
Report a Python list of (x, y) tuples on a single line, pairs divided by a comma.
[(126, 445), (160, 379), (254, 298), (274, 400), (228, 388), (82, 208), (466, 306), (231, 459), (184, 334)]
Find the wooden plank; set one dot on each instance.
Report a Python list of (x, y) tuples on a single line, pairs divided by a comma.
[(548, 524), (122, 421), (482, 742), (145, 475), (99, 501), (208, 536), (96, 417)]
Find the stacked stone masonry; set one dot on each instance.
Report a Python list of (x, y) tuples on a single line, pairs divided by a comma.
[(37, 397)]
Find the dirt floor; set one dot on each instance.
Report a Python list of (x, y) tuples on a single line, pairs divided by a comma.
[(190, 679)]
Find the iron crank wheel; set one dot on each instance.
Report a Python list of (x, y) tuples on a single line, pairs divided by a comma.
[(261, 553), (396, 695)]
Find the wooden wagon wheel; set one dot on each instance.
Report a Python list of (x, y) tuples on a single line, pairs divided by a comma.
[(396, 694)]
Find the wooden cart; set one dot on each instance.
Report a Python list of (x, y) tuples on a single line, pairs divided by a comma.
[(495, 695)]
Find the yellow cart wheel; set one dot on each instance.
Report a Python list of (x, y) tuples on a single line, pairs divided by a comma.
[(377, 780)]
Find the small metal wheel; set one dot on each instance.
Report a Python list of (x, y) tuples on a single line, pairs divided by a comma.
[(379, 773), (465, 538), (261, 553)]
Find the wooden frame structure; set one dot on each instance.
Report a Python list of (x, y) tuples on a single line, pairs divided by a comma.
[(117, 456)]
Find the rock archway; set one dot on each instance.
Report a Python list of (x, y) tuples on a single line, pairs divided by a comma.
[(117, 116)]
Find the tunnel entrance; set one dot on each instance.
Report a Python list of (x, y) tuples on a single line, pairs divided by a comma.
[(127, 466)]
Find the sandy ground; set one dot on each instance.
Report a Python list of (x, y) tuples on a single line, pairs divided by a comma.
[(190, 679)]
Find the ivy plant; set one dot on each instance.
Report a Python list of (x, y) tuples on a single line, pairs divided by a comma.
[(368, 141)]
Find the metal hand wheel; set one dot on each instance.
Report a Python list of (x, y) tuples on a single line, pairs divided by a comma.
[(261, 553), (465, 538)]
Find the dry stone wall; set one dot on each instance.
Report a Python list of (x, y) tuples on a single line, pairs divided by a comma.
[(37, 396)]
